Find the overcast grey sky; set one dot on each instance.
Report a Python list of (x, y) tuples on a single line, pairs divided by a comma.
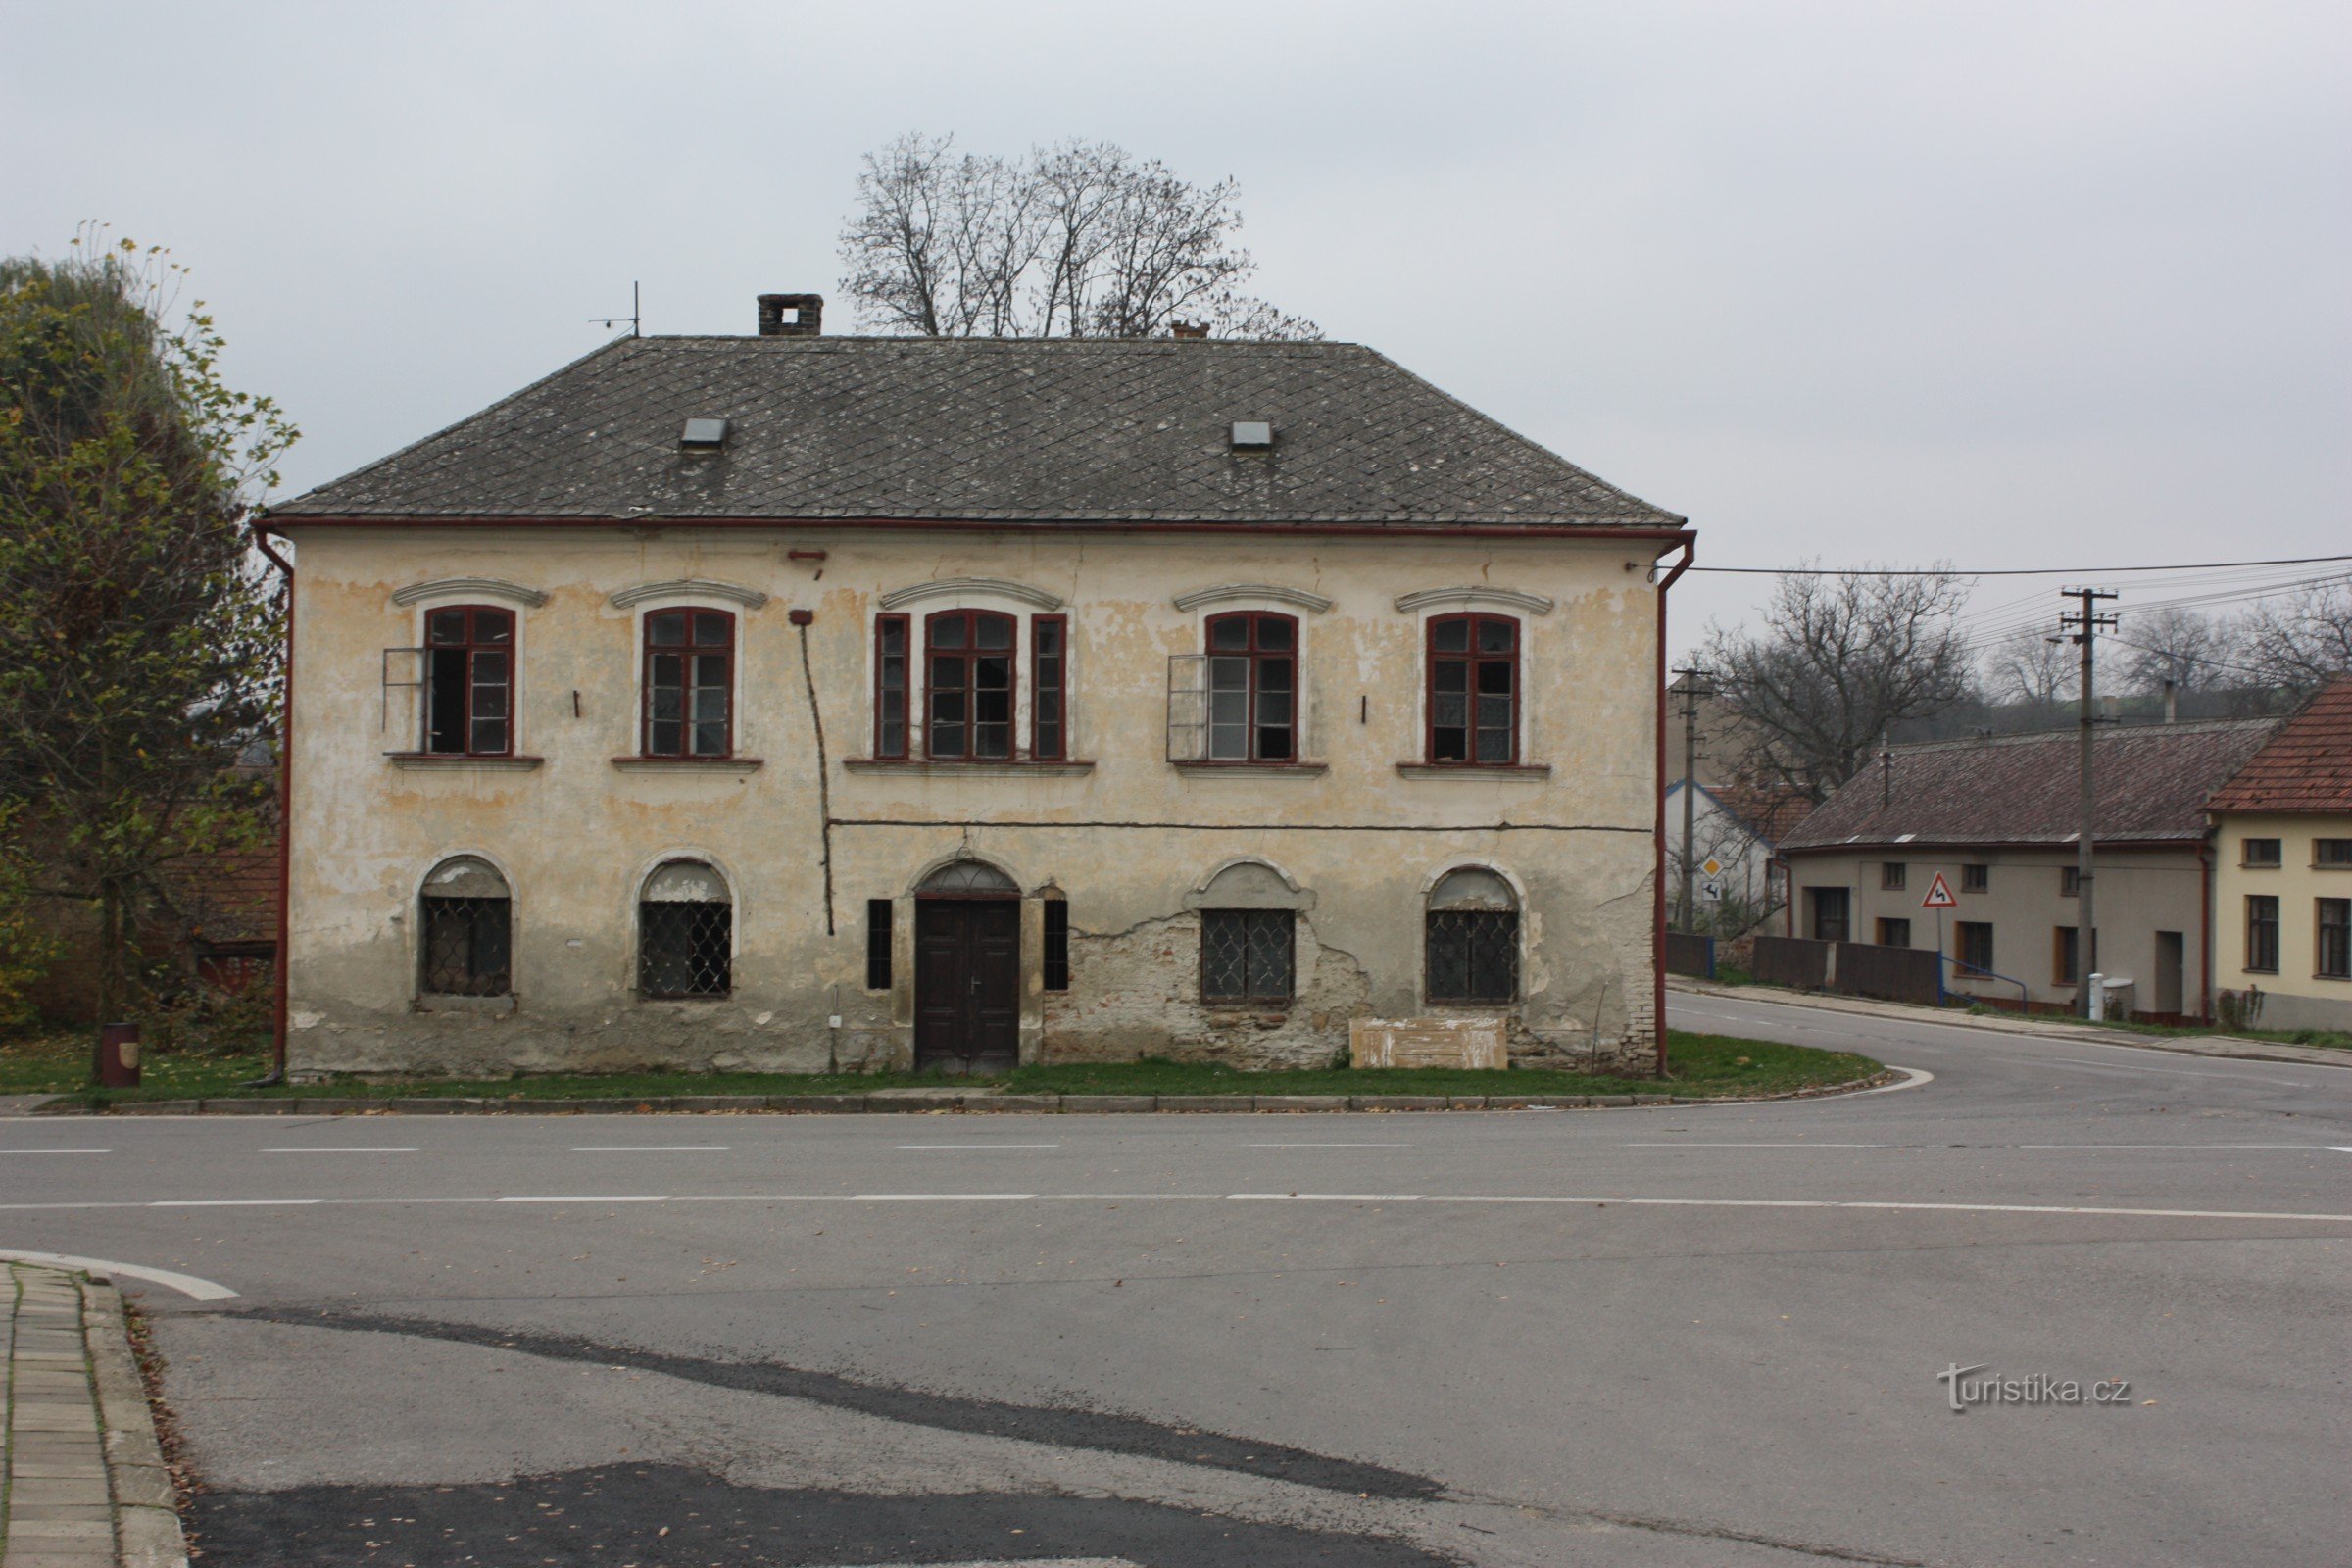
[(2014, 284)]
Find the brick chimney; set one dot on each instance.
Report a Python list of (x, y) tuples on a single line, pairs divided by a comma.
[(791, 315), (1188, 329)]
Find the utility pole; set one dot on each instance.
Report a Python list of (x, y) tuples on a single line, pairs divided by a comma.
[(1691, 691), (2084, 625)]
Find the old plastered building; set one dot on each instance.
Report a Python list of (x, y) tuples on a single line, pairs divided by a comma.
[(791, 702)]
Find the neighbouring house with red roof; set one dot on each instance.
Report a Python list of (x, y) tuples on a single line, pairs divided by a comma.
[(1998, 820), (2282, 930)]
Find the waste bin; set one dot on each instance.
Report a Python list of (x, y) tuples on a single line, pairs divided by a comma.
[(119, 1055)]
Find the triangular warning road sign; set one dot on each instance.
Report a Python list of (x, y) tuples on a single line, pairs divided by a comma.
[(1940, 894)]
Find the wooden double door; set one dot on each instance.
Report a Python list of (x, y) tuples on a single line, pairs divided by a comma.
[(967, 984)]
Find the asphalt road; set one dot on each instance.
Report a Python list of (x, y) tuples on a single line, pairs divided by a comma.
[(1664, 1336)]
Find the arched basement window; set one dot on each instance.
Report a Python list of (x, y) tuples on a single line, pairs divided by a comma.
[(1473, 938), (969, 876), (467, 920), (685, 932)]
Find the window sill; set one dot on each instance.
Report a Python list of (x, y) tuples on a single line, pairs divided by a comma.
[(985, 767), (1517, 772), (689, 764), (2260, 865), (1251, 769), (498, 1006), (462, 763)]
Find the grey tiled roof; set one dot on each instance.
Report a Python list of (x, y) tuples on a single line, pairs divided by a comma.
[(2152, 781), (982, 429)]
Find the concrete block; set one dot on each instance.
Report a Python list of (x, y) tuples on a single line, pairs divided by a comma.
[(1102, 1104), (1465, 1101), (1611, 1099), (1654, 1099), (249, 1107), (1013, 1103), (913, 1100), (838, 1104), (1470, 1043), (1302, 1101), (1396, 1101), (1224, 1102)]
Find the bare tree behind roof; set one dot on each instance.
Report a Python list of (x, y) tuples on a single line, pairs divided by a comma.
[(2301, 642), (1079, 241), (1842, 660), (2174, 643), (2030, 666)]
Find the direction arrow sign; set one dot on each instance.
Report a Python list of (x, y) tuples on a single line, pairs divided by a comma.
[(1940, 894)]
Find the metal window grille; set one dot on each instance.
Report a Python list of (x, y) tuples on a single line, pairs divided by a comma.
[(466, 943), (1056, 956), (1245, 955), (683, 949), (1473, 954), (877, 944)]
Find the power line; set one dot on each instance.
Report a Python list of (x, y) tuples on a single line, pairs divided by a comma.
[(2010, 571)]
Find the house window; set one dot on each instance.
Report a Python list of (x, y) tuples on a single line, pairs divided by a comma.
[(2262, 933), (1473, 692), (2331, 853), (1976, 878), (1831, 919), (1252, 688), (469, 680), (685, 932), (1048, 677), (1056, 956), (689, 683), (2064, 957), (2070, 881), (2258, 852), (466, 930), (877, 944), (1976, 946), (1245, 956), (1894, 933), (890, 686), (1472, 939), (1895, 875), (2335, 939), (968, 699)]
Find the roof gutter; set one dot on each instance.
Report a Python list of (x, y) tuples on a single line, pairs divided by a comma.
[(1658, 881), (286, 819)]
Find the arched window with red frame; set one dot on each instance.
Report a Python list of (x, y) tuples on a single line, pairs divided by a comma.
[(1252, 688), (1473, 695), (469, 680), (968, 685), (689, 683)]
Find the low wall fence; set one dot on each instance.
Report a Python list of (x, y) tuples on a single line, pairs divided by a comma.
[(1687, 953), (1850, 968)]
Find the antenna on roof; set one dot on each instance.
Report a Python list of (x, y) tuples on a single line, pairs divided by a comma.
[(635, 317)]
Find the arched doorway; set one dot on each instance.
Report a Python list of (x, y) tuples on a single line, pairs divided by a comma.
[(968, 970)]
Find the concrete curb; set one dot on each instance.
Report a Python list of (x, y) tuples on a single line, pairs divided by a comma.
[(2222, 1047), (929, 1103), (147, 1528)]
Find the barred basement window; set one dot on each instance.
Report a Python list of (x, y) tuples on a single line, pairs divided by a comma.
[(1245, 956), (685, 932), (465, 929), (877, 944), (1473, 939), (1056, 956)]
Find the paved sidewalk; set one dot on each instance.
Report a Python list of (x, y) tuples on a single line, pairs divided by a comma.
[(2230, 1046), (83, 1475)]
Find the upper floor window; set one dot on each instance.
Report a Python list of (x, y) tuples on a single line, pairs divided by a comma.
[(2331, 852), (469, 680), (890, 685), (1474, 689), (1049, 687), (2070, 881), (2259, 852), (1252, 688), (689, 683), (968, 696), (1976, 877), (2261, 932), (1895, 875)]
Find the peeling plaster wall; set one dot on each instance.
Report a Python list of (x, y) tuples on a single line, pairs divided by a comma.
[(1126, 840)]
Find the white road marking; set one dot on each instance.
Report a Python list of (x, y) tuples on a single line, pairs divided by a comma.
[(1692, 1145), (56, 1150), (939, 1198), (232, 1202), (589, 1197), (1327, 1146), (2158, 1145), (1337, 1197), (979, 1146), (649, 1148), (189, 1285), (341, 1149)]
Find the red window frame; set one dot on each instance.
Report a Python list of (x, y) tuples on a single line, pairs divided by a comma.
[(1049, 688), (1261, 652), (892, 678), (966, 658), (1475, 660), (703, 635), (479, 653)]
